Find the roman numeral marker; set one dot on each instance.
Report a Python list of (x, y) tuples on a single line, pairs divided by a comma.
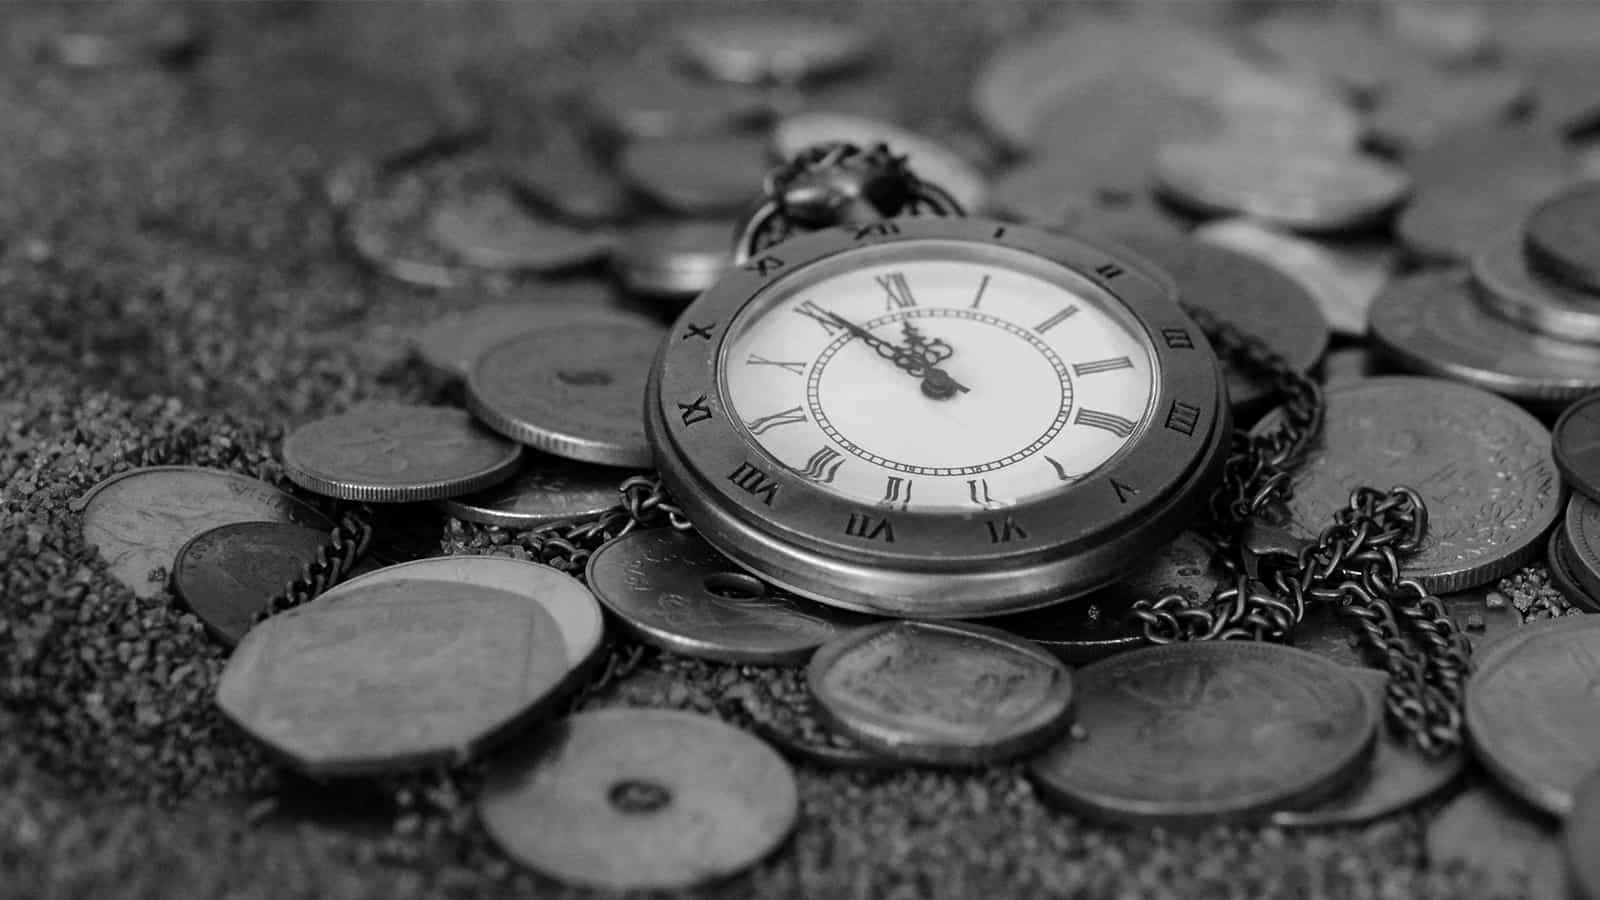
[(1056, 319), (1124, 491), (896, 492), (799, 368), (982, 286), (978, 490), (792, 416), (898, 291), (1182, 418), (695, 411), (1177, 338), (870, 528), (1061, 472), (823, 465), (1005, 531), (1111, 422), (754, 482), (819, 315), (1108, 271), (1102, 365)]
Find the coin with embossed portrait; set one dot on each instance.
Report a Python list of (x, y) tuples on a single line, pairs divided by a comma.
[(575, 391), (1480, 463), (1198, 733), (941, 692), (139, 520), (674, 590), (225, 575), (548, 489), (397, 453)]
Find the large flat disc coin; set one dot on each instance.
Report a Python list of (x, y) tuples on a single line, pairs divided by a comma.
[(397, 675), (226, 575), (674, 590), (641, 799), (549, 489), (943, 693), (1481, 463), (927, 157), (1398, 778), (139, 520), (575, 391), (1563, 235), (1577, 446), (396, 453), (1532, 713), (1196, 733)]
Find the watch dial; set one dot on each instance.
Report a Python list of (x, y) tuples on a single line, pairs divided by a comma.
[(938, 375)]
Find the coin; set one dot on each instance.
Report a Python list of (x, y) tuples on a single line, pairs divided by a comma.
[(1264, 302), (1490, 835), (575, 391), (782, 711), (385, 223), (548, 489), (1347, 364), (1563, 574), (1513, 291), (1431, 323), (646, 799), (1095, 626), (697, 176), (1203, 732), (1399, 777), (397, 453), (772, 49), (1565, 99), (941, 693), (1581, 835), (650, 98), (673, 258), (1327, 633), (1580, 538), (1446, 33), (225, 575), (1450, 224), (561, 178), (1530, 710), (451, 343), (1577, 445), (1563, 235), (129, 35), (1480, 463), (140, 519), (671, 589), (1280, 107), (928, 158), (1427, 106), (1462, 160), (490, 230), (1343, 278), (1300, 188), (459, 664), (1346, 51)]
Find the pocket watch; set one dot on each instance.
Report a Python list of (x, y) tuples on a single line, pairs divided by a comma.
[(937, 417)]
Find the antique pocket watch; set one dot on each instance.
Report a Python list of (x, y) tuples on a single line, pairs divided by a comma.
[(937, 417)]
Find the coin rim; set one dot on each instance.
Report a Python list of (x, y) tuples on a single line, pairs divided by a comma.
[(1537, 306), (1584, 566), (1537, 242), (329, 485), (1571, 473), (184, 597)]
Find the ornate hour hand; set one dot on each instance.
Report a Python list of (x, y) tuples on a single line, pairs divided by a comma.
[(936, 383), (934, 352)]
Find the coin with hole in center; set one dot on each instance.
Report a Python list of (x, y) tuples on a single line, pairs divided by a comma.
[(1398, 778), (548, 489), (941, 692), (397, 453), (574, 391), (1531, 710), (225, 575), (1193, 734), (139, 520), (646, 799), (672, 589), (1577, 445)]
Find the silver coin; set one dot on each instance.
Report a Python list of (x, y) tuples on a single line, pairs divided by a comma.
[(1346, 50), (575, 391), (672, 589), (397, 453), (1428, 105), (646, 799), (488, 229), (1492, 836), (772, 49), (927, 157), (1580, 540), (1509, 287), (1463, 160), (1451, 223), (942, 693), (1563, 575), (649, 97), (451, 343), (697, 176), (1399, 777), (1344, 278), (1432, 324), (548, 489), (1565, 99), (561, 177), (674, 258), (1299, 188)]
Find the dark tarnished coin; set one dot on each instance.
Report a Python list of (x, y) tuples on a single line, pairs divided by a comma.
[(1577, 445), (930, 159), (488, 229), (1580, 535), (1464, 159), (1531, 710), (772, 49), (1481, 464), (1428, 107), (397, 453), (1398, 777), (941, 693), (1295, 187), (646, 799), (673, 258), (1563, 572), (1342, 277), (226, 575), (451, 343), (139, 520), (1580, 837), (1091, 628), (1432, 324), (1260, 299), (1203, 732), (1492, 836), (575, 391), (1515, 292), (1451, 223), (697, 176), (651, 98), (674, 590), (561, 178), (548, 489), (400, 673), (1562, 235)]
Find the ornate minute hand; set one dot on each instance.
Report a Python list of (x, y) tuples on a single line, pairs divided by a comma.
[(936, 383)]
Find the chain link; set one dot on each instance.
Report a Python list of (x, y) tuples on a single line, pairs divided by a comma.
[(334, 560), (1353, 563), (568, 545)]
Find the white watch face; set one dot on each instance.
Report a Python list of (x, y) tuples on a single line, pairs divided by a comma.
[(938, 375)]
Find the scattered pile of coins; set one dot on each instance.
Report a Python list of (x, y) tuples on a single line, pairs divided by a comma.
[(1255, 172)]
